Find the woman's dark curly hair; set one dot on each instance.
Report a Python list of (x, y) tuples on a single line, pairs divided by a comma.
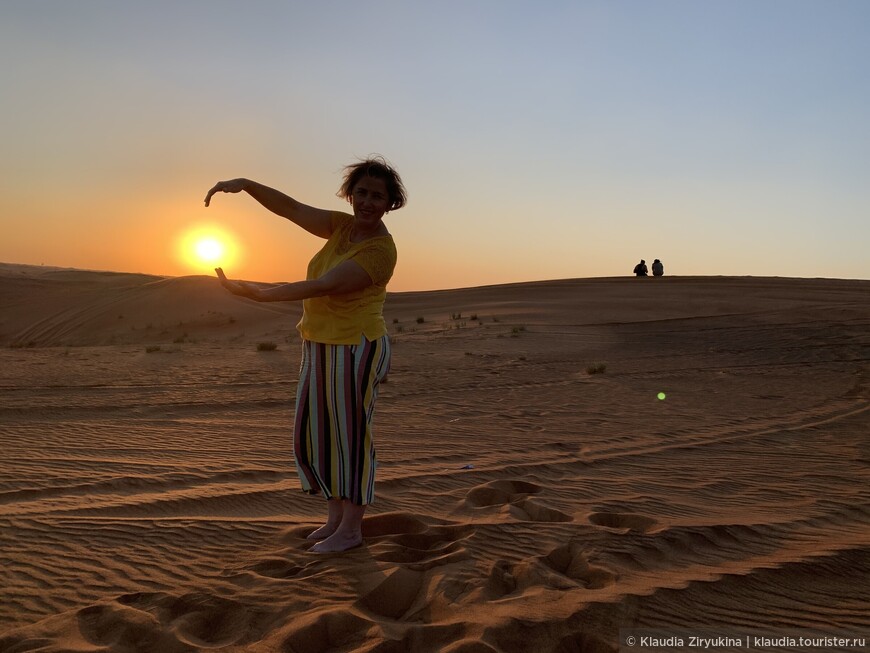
[(378, 168)]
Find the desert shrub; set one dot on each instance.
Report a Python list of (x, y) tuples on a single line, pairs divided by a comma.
[(266, 346), (150, 349), (420, 320), (597, 368)]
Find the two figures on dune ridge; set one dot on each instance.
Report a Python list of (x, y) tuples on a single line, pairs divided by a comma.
[(344, 339), (640, 270)]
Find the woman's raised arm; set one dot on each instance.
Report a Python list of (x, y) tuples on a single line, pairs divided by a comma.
[(314, 221)]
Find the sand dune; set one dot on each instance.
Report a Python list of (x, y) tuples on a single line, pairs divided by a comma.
[(148, 500)]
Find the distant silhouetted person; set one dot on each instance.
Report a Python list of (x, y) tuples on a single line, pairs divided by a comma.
[(658, 268), (640, 270)]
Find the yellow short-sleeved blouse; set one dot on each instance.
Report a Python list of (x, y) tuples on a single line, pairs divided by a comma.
[(344, 319)]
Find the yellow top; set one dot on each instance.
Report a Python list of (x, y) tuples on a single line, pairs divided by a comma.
[(343, 319)]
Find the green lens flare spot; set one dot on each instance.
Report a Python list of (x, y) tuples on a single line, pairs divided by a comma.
[(661, 396)]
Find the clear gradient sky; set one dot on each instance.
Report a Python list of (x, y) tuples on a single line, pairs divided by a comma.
[(537, 139)]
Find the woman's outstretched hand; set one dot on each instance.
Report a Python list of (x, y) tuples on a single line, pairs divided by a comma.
[(231, 186), (240, 288)]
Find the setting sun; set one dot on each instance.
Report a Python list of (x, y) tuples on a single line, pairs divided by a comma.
[(209, 250), (205, 247)]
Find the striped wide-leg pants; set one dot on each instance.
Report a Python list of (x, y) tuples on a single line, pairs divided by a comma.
[(335, 402)]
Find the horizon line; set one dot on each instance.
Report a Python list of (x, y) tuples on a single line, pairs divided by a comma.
[(435, 290)]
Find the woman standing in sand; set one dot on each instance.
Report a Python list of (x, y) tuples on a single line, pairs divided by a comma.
[(346, 349)]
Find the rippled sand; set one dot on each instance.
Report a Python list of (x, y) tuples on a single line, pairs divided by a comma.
[(148, 500)]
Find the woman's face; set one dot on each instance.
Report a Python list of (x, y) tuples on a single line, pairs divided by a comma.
[(370, 200)]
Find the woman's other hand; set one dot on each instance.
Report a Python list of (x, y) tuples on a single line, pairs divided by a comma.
[(231, 186), (240, 288)]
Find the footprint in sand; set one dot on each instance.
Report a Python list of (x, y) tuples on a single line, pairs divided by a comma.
[(162, 622), (276, 568), (514, 495), (111, 624), (498, 493), (329, 630), (623, 521), (402, 538), (571, 561), (502, 580), (531, 510), (207, 621), (565, 567), (394, 596)]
